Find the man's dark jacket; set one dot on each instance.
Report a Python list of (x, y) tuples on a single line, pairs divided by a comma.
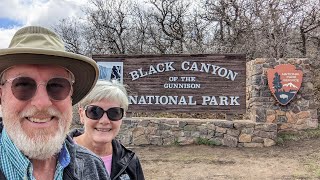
[(84, 165), (125, 163)]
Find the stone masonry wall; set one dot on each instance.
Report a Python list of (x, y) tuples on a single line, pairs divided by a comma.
[(262, 107), (170, 131)]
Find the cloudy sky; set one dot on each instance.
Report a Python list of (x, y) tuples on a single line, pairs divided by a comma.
[(15, 14)]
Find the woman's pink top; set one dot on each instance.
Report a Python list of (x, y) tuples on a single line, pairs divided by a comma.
[(107, 162)]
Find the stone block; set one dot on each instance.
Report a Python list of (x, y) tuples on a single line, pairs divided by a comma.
[(221, 130), (151, 130), (233, 132), (300, 126), (313, 113), (268, 142), (156, 140), (203, 131), (172, 122), (264, 134), (182, 124), (270, 112), (140, 140), (258, 69), (247, 131), (125, 139), (190, 128), (286, 126), (224, 124), (211, 133), (303, 114), (240, 124), (312, 123), (185, 141), (168, 141), (166, 133), (211, 127), (271, 118), (195, 134), (257, 139), (282, 119), (245, 138), (301, 121), (253, 145), (229, 141), (138, 131), (217, 134), (291, 117), (144, 123), (266, 127), (280, 112), (260, 115), (163, 126)]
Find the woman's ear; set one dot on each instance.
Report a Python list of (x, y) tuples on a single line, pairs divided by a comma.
[(81, 114)]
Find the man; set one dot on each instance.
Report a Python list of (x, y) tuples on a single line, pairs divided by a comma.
[(40, 82)]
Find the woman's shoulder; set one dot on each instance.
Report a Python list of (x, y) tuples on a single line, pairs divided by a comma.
[(75, 132)]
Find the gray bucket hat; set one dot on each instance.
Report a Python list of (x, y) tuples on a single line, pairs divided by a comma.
[(38, 45)]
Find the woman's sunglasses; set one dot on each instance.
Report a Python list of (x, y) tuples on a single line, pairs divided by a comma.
[(95, 112), (24, 88)]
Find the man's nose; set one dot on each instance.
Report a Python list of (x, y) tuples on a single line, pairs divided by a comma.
[(41, 99)]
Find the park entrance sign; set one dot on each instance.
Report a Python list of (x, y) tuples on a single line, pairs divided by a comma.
[(179, 83)]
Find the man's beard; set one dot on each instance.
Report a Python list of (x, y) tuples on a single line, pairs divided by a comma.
[(38, 144)]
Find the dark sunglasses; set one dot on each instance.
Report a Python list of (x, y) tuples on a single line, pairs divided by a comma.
[(95, 112), (24, 88)]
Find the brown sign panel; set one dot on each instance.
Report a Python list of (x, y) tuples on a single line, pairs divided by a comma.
[(180, 83), (284, 82)]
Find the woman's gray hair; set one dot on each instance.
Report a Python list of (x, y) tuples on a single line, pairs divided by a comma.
[(111, 90)]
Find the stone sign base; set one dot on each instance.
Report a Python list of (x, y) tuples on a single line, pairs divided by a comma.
[(299, 114), (174, 131)]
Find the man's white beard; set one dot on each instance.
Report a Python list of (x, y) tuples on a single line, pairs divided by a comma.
[(42, 145)]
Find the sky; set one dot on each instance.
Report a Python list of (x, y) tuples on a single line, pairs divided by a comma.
[(15, 14)]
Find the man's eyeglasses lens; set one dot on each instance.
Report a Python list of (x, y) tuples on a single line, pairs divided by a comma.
[(96, 112), (24, 88)]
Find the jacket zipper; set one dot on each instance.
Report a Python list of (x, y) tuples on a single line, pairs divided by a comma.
[(124, 168)]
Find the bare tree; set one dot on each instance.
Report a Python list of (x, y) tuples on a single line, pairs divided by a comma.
[(108, 23), (258, 28), (69, 31), (230, 21), (170, 17), (309, 26)]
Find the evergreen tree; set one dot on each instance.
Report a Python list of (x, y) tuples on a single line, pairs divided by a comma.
[(277, 82)]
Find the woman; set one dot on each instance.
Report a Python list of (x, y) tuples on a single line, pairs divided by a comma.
[(101, 112)]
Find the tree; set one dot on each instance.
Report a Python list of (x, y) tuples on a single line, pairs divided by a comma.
[(277, 82), (257, 28)]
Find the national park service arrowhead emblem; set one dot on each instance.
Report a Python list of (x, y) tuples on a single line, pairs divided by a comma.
[(284, 82)]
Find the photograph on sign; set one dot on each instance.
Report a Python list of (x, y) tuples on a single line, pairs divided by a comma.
[(111, 71)]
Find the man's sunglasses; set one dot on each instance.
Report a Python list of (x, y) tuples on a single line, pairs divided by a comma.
[(24, 88), (96, 112)]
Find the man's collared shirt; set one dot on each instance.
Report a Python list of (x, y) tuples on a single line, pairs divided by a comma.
[(15, 165)]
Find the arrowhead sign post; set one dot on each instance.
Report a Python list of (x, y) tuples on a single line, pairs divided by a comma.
[(284, 82)]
